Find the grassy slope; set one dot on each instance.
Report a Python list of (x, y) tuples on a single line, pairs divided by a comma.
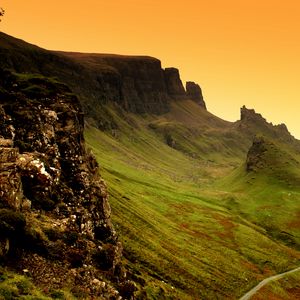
[(186, 238), (269, 195), (15, 286)]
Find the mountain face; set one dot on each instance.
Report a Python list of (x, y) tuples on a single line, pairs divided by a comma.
[(138, 84), (55, 215)]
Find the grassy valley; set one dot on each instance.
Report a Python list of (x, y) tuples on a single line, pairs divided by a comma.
[(189, 229)]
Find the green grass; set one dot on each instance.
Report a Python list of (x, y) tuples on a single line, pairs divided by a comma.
[(14, 286), (269, 195), (185, 235)]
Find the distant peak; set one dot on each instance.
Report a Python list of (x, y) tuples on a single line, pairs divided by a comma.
[(250, 114)]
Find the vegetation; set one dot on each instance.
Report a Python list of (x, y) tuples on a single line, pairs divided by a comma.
[(14, 286), (190, 227)]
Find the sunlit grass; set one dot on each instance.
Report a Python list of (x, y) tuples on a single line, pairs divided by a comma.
[(184, 235)]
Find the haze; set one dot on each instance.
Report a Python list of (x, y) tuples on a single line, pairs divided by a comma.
[(240, 52)]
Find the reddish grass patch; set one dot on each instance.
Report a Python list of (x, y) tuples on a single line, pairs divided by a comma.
[(266, 294), (250, 266), (195, 233), (295, 224), (269, 207), (228, 227), (294, 293)]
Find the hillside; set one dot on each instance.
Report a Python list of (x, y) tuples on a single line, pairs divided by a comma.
[(266, 189), (204, 208)]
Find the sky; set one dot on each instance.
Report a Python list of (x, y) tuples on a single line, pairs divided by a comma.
[(241, 52)]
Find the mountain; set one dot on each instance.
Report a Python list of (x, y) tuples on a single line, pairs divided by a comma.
[(204, 208), (136, 83)]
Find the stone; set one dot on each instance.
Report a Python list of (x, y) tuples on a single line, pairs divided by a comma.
[(46, 172), (174, 84), (194, 93), (250, 115)]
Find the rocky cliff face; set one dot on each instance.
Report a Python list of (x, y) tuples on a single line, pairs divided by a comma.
[(251, 115), (194, 92), (136, 83), (174, 85), (54, 210)]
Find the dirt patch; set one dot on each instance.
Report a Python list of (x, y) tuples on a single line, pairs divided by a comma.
[(250, 266), (266, 294), (295, 224), (228, 227), (294, 293), (195, 233)]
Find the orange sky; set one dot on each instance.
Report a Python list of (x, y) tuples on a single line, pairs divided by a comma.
[(239, 51)]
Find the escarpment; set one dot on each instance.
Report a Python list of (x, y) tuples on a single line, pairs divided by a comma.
[(137, 84), (54, 211)]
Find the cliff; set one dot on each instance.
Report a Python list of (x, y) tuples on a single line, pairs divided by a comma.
[(174, 84), (54, 211), (136, 83), (251, 123), (194, 92)]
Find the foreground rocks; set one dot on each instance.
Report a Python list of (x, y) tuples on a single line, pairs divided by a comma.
[(54, 211)]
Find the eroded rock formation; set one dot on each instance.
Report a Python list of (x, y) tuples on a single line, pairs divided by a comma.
[(54, 210), (194, 92), (174, 84)]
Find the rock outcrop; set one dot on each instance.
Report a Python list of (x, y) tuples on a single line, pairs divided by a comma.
[(194, 92), (54, 210), (255, 156), (251, 115), (136, 82), (174, 84), (252, 123)]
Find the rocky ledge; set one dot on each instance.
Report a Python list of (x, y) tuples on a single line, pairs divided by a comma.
[(54, 211)]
